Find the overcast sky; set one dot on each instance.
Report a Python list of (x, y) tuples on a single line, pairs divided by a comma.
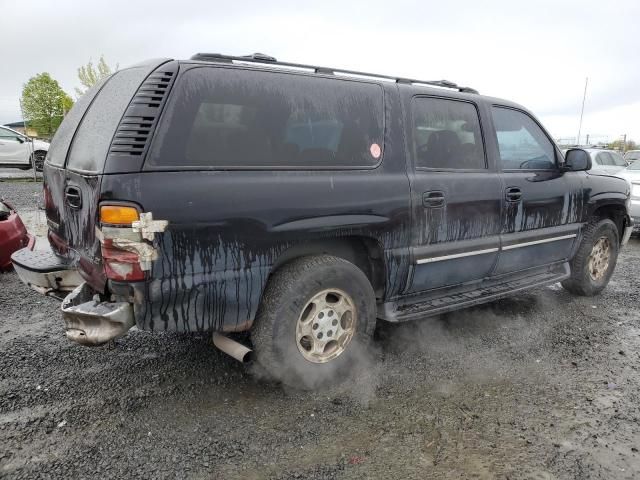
[(537, 53)]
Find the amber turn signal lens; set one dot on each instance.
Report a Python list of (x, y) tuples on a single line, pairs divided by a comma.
[(118, 214)]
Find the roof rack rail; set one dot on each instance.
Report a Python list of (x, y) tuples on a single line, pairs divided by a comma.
[(261, 58)]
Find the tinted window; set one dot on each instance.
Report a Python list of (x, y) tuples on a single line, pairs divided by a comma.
[(603, 158), (446, 134), (94, 135), (62, 139), (522, 143), (618, 161), (222, 117), (600, 159)]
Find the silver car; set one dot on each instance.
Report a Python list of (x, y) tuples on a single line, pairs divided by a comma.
[(632, 156), (608, 162), (632, 175)]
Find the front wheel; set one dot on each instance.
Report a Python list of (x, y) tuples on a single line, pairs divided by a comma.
[(315, 322), (595, 260)]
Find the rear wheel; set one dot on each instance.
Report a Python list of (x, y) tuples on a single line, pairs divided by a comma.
[(315, 322), (38, 159), (595, 260)]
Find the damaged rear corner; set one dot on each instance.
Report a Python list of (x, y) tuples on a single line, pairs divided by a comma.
[(94, 318), (92, 322)]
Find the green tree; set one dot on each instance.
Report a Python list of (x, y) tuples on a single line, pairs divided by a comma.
[(89, 74), (618, 145), (44, 103)]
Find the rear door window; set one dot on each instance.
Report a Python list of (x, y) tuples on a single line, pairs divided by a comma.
[(236, 118), (447, 135), (93, 137)]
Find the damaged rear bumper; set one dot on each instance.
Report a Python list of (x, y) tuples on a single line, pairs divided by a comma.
[(92, 322), (45, 272)]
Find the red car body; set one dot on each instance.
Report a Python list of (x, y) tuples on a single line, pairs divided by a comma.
[(13, 236)]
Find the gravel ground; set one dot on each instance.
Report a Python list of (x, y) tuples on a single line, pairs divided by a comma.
[(543, 385), (22, 194)]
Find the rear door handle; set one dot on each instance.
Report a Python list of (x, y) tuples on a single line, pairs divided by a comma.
[(73, 197), (513, 194), (433, 199)]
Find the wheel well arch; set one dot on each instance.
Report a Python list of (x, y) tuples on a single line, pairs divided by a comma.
[(615, 212), (364, 252)]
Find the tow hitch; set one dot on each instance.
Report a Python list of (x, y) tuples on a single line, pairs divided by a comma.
[(92, 322)]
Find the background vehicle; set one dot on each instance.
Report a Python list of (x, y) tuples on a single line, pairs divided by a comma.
[(13, 234), (16, 150), (606, 161), (632, 156), (229, 194), (632, 175)]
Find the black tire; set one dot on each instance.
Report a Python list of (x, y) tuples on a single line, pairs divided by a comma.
[(38, 159), (289, 291), (582, 282)]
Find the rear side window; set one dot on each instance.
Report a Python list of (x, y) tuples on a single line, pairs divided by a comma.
[(618, 161), (93, 137), (62, 139), (522, 143), (603, 158), (235, 118), (446, 134)]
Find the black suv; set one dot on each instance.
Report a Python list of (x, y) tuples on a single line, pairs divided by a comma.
[(231, 194)]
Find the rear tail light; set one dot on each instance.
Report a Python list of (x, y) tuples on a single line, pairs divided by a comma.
[(120, 244), (119, 264)]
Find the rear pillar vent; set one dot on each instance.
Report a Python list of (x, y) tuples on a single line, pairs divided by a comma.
[(133, 134)]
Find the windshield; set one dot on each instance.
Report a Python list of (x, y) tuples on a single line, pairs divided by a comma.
[(630, 156), (634, 166)]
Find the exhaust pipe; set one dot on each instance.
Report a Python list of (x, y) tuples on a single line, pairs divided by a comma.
[(232, 348)]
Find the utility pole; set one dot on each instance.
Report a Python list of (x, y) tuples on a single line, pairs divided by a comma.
[(624, 143), (32, 157), (587, 141), (584, 96)]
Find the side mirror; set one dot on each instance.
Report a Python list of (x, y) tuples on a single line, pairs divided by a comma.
[(577, 160), (20, 139)]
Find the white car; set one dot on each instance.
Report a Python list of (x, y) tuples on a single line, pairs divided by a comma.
[(16, 150), (632, 155), (632, 175), (608, 162), (604, 162)]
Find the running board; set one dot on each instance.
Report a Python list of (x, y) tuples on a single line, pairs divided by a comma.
[(402, 311)]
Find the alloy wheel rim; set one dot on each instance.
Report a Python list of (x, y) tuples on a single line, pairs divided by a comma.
[(326, 325), (599, 258)]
